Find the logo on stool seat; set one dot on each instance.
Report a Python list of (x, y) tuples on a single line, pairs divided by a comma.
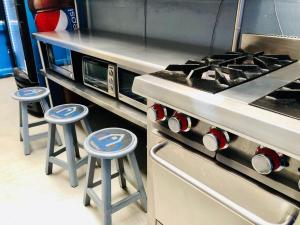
[(66, 111), (29, 92), (108, 142)]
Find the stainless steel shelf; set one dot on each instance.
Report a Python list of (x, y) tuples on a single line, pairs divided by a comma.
[(127, 51), (115, 106)]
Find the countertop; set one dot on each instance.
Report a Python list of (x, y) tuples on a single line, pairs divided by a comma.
[(127, 51)]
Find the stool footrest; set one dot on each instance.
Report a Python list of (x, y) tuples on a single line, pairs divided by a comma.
[(95, 198), (99, 182), (58, 162), (81, 162), (116, 206), (125, 202), (39, 123), (59, 151), (38, 136)]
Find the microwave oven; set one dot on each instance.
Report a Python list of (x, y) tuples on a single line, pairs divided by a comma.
[(100, 75), (108, 78), (60, 60)]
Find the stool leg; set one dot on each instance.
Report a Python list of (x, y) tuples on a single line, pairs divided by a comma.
[(90, 173), (98, 161), (120, 169), (45, 108), (106, 191), (50, 148), (25, 128), (86, 126), (75, 142), (70, 155), (138, 177), (20, 121)]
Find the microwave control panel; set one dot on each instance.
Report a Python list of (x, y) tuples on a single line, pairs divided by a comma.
[(111, 78)]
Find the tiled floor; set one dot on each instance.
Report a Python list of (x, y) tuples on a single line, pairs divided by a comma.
[(28, 196)]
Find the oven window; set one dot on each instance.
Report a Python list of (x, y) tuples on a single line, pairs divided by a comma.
[(95, 73), (126, 79)]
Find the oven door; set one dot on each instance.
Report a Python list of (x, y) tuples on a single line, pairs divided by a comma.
[(188, 188), (100, 75), (125, 82)]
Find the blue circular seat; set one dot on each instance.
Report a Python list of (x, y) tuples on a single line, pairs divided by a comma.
[(110, 143), (65, 114), (31, 94)]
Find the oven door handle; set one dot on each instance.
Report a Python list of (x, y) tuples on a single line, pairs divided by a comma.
[(244, 213)]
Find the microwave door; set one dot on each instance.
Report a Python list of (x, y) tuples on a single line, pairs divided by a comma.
[(99, 75)]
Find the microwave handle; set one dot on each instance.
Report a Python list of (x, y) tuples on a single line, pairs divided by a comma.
[(244, 213)]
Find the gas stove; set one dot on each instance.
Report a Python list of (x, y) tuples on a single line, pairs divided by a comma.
[(241, 109), (217, 73)]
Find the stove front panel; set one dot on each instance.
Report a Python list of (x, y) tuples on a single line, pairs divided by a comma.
[(174, 201)]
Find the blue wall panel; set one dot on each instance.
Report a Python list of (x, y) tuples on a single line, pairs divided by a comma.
[(5, 58)]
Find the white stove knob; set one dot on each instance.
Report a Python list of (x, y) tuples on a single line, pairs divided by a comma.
[(152, 114), (180, 123), (210, 141), (216, 139), (157, 113), (262, 164), (174, 124)]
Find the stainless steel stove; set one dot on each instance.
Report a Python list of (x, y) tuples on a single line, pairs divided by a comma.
[(224, 137)]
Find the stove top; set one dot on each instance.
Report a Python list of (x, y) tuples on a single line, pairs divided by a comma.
[(219, 72), (285, 100)]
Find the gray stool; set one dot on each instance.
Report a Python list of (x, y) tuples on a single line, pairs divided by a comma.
[(108, 144), (66, 115), (26, 96)]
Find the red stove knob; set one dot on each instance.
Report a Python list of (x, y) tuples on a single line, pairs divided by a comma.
[(216, 139), (157, 112), (265, 161), (180, 123)]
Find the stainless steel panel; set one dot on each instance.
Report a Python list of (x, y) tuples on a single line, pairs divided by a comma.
[(171, 192), (193, 138), (238, 25), (127, 51), (271, 44), (238, 156), (253, 90), (272, 130), (132, 102), (285, 181)]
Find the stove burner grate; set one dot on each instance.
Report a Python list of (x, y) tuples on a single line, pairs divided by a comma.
[(219, 72)]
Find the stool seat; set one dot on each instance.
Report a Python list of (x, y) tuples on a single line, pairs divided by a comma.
[(31, 94), (67, 113), (110, 143)]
